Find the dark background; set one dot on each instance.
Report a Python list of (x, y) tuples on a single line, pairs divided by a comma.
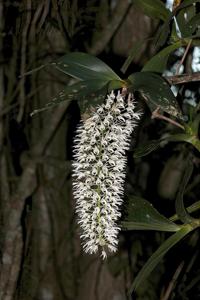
[(40, 254)]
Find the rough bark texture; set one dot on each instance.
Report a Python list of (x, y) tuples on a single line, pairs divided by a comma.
[(135, 31), (40, 252)]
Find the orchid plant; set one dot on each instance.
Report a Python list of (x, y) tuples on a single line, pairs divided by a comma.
[(103, 138)]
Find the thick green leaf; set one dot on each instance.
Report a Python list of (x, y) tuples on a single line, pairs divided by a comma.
[(156, 92), (184, 13), (188, 138), (82, 90), (192, 27), (183, 16), (143, 216), (163, 32), (96, 91), (180, 137), (84, 66), (116, 84), (153, 8), (158, 63), (87, 93), (158, 255)]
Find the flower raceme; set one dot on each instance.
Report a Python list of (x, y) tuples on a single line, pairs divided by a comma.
[(99, 171)]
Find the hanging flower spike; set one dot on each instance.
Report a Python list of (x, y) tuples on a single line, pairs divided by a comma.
[(99, 171)]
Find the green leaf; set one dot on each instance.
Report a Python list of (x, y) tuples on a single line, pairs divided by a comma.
[(146, 149), (156, 92), (154, 145), (190, 27), (180, 137), (143, 216), (96, 91), (87, 93), (155, 259), (163, 33), (187, 9), (158, 63), (183, 16), (116, 84), (84, 66), (184, 13), (153, 8), (181, 211), (164, 30), (190, 209), (184, 4), (188, 138), (133, 53), (195, 124), (77, 91)]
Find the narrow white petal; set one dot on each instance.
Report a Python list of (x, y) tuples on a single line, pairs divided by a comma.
[(99, 171)]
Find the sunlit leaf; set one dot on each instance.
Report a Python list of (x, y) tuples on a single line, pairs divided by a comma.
[(153, 8), (84, 66), (156, 92), (155, 259), (143, 216), (158, 63)]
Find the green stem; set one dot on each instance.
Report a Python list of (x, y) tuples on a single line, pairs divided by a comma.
[(196, 143), (181, 211), (190, 209)]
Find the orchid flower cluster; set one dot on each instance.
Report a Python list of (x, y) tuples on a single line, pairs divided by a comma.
[(99, 171)]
